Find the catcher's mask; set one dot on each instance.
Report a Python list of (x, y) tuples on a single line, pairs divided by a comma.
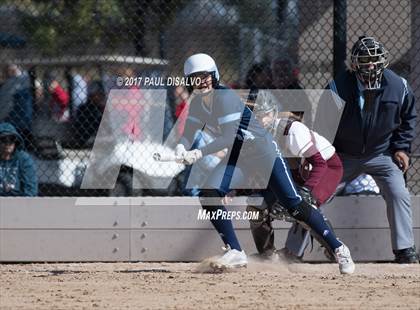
[(369, 58), (266, 104)]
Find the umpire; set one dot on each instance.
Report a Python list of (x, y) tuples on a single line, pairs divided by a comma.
[(375, 132)]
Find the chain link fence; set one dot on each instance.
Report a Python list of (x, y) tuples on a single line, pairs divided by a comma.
[(61, 60)]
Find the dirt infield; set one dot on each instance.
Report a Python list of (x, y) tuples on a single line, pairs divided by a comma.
[(177, 286)]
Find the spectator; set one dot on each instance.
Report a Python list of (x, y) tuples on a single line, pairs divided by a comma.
[(59, 99), (17, 170), (79, 95), (89, 115), (285, 76), (39, 93), (375, 132), (285, 73), (258, 77), (16, 101)]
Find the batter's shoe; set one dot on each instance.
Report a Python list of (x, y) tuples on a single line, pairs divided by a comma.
[(230, 260), (406, 256), (344, 260)]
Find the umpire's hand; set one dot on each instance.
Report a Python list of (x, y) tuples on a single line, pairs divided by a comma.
[(402, 159)]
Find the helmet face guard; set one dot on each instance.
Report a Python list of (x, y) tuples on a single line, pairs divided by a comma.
[(369, 58), (265, 104), (195, 79)]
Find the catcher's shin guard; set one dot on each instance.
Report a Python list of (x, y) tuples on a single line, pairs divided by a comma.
[(320, 239), (298, 239), (262, 230), (302, 213)]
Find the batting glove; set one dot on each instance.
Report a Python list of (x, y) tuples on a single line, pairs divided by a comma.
[(180, 152), (191, 157)]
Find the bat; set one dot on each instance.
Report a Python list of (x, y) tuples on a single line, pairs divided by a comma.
[(165, 157)]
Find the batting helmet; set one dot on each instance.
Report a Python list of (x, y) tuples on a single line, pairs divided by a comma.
[(202, 63)]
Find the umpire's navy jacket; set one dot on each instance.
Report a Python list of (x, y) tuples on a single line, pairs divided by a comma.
[(385, 125)]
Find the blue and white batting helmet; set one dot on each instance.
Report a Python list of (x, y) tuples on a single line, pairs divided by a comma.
[(201, 63)]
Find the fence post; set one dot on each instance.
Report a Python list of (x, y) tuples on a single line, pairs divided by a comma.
[(340, 36), (69, 78)]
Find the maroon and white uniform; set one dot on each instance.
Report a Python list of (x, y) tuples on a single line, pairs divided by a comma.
[(320, 168)]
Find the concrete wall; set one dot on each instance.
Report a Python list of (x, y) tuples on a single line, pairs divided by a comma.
[(164, 229)]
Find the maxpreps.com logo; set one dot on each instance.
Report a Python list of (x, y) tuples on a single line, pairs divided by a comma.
[(219, 214)]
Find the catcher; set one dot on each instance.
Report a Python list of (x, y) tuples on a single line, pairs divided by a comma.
[(316, 169)]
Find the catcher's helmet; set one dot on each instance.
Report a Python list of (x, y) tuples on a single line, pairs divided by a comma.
[(202, 63), (369, 58), (266, 103)]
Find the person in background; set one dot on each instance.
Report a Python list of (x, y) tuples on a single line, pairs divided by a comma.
[(16, 102), (285, 76), (258, 77), (285, 73), (59, 99), (89, 115), (39, 93), (80, 91), (17, 169)]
